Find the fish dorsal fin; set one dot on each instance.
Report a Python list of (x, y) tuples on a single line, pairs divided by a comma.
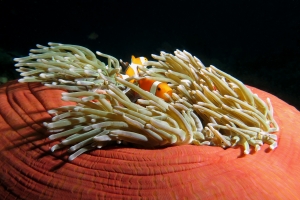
[(133, 59), (139, 60)]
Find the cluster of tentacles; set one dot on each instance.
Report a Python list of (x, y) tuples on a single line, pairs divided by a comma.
[(207, 106)]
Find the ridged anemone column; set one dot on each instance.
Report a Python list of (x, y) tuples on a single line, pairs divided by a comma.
[(28, 170)]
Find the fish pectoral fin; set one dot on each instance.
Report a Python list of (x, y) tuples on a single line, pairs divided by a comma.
[(126, 90), (132, 95)]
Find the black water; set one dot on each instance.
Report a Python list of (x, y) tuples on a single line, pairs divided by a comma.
[(258, 42)]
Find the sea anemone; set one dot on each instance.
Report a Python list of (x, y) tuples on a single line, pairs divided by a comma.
[(207, 106), (68, 67)]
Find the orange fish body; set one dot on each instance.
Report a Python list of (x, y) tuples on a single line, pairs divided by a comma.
[(157, 88)]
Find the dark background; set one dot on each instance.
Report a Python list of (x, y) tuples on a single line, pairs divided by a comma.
[(256, 41)]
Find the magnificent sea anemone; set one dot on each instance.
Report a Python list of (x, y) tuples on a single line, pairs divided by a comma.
[(145, 151)]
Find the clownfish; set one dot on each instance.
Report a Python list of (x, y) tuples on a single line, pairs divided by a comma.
[(157, 88), (132, 70)]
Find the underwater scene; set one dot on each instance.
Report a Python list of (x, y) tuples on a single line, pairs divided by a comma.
[(134, 99), (256, 42)]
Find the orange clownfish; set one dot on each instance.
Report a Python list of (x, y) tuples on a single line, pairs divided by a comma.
[(155, 87)]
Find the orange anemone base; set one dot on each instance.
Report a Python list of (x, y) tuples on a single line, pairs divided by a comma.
[(30, 171)]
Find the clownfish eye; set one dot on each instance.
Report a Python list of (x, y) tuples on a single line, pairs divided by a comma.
[(158, 88)]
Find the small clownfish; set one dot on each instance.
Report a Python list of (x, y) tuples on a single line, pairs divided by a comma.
[(133, 68), (157, 88)]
